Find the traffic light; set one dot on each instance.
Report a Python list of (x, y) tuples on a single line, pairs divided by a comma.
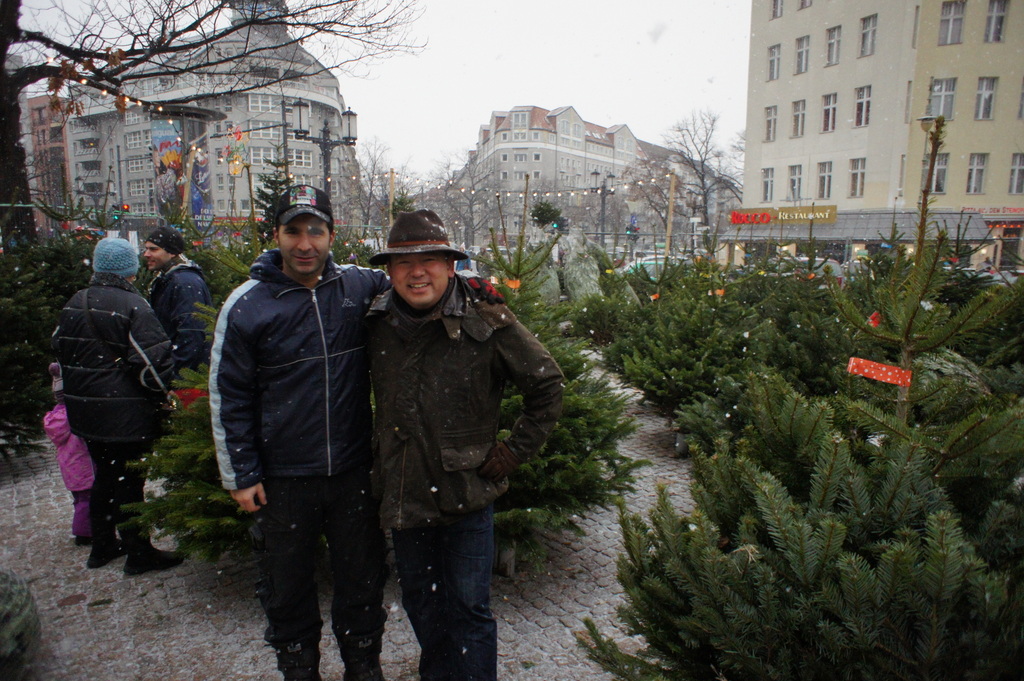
[(126, 208)]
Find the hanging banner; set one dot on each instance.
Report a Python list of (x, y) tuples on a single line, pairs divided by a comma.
[(167, 161), (200, 195)]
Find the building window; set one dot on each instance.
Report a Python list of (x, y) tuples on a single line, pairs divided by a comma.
[(796, 180), (519, 119), (1017, 174), (771, 115), (939, 174), (504, 174), (857, 168), (941, 101), (828, 112), (536, 157), (140, 165), (767, 184), (862, 111), (776, 9), (825, 180), (261, 103), (951, 25), (140, 187), (132, 117), (774, 61), (868, 29), (519, 158), (135, 139), (504, 158), (300, 158), (261, 155), (976, 174), (832, 39), (519, 136), (985, 101), (799, 117), (994, 22), (804, 4), (803, 53), (259, 131)]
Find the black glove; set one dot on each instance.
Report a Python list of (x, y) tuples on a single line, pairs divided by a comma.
[(485, 291), (499, 464)]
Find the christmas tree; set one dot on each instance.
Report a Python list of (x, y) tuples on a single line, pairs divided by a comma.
[(874, 534), (35, 282)]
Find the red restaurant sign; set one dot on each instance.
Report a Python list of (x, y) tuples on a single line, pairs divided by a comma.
[(765, 216)]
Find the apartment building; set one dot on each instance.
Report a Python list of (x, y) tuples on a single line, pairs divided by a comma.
[(47, 158), (216, 147), (557, 149), (837, 95), (591, 173)]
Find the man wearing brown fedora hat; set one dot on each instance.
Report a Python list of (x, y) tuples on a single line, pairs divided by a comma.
[(438, 469)]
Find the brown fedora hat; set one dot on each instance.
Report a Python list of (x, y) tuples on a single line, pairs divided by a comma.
[(418, 232)]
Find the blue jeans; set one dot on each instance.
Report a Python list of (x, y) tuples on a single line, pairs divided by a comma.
[(445, 575)]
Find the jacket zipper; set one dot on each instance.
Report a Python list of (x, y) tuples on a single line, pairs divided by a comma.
[(401, 487), (327, 381)]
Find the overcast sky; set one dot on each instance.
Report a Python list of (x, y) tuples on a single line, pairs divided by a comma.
[(645, 63)]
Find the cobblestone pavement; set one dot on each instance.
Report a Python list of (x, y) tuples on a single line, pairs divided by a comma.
[(201, 621)]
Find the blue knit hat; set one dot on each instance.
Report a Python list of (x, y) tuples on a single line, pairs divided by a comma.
[(116, 256)]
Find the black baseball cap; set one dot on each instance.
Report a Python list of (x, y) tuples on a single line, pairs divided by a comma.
[(304, 199)]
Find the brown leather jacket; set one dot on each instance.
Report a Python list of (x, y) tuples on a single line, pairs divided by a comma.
[(438, 396)]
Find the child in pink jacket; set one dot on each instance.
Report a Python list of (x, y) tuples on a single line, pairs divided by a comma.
[(73, 459)]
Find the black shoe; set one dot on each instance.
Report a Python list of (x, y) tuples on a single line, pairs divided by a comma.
[(364, 670), (153, 559), (300, 662), (102, 554), (82, 541)]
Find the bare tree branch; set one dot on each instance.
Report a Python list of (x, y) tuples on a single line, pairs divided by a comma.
[(122, 48)]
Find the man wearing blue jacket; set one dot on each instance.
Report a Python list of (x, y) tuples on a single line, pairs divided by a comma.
[(178, 286), (290, 401)]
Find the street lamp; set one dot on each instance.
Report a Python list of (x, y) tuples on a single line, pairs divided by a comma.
[(327, 145), (603, 191)]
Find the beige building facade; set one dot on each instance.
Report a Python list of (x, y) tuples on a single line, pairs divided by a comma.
[(556, 148), (837, 93)]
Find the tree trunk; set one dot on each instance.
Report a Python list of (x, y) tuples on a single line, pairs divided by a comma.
[(17, 223)]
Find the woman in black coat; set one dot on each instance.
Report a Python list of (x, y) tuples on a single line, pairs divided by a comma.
[(116, 362)]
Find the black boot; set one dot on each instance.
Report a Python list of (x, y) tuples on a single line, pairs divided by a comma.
[(300, 661), (104, 550), (361, 655), (143, 556)]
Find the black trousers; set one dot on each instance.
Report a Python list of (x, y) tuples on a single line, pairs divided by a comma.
[(286, 538), (114, 486)]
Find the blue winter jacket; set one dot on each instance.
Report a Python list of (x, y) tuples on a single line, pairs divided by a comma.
[(174, 295), (289, 378)]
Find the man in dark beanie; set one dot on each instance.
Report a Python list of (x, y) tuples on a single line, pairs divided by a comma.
[(116, 365), (437, 470), (178, 286)]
